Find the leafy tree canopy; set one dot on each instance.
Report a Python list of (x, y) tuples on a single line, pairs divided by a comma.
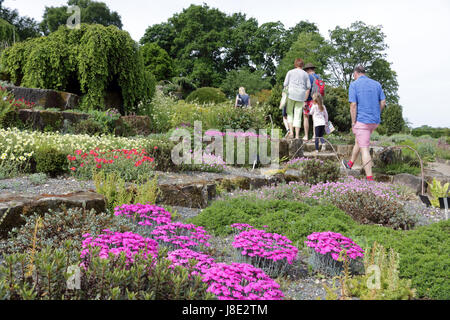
[(25, 27), (253, 82), (92, 12), (157, 61)]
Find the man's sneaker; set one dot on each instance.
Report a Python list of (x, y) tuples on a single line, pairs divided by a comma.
[(345, 164)]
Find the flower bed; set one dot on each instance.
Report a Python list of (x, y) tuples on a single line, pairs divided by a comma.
[(115, 243), (330, 250), (131, 164), (144, 214), (269, 251), (240, 281), (181, 236)]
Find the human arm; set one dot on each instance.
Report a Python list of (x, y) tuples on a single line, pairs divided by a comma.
[(286, 80), (353, 108), (382, 105), (236, 103), (326, 115)]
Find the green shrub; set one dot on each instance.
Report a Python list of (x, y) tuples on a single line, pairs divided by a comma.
[(55, 227), (103, 279), (424, 252), (315, 171), (6, 106), (50, 161), (392, 117), (88, 126), (207, 95), (86, 61)]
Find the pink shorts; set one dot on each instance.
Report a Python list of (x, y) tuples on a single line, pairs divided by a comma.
[(362, 132)]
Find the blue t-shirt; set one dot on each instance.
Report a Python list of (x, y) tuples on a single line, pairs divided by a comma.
[(244, 99), (312, 79), (367, 94)]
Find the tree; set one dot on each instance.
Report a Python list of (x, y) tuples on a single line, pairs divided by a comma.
[(359, 44), (303, 26), (336, 101), (252, 81), (381, 71), (269, 47), (25, 27), (7, 34), (157, 61), (90, 61), (92, 12), (312, 48), (392, 118)]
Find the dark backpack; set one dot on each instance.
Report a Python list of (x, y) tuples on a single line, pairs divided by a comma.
[(240, 102), (318, 86)]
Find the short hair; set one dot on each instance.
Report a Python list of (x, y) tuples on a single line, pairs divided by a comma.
[(299, 63), (360, 69)]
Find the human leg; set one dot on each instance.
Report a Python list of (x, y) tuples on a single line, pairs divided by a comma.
[(362, 133), (298, 108), (290, 116)]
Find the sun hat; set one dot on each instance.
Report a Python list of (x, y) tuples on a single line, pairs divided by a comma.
[(309, 66)]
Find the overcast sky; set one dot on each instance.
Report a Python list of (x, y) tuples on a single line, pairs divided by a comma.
[(417, 33)]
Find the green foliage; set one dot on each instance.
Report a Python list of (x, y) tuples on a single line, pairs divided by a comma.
[(92, 12), (50, 160), (38, 179), (336, 101), (392, 118), (206, 96), (398, 168), (424, 252), (253, 82), (103, 279), (315, 171), (7, 32), (312, 48), (117, 193), (433, 132), (87, 61), (437, 191), (25, 27), (383, 279), (56, 227), (6, 106), (157, 61), (88, 126)]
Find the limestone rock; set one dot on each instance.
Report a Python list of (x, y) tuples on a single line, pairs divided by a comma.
[(14, 206), (415, 183)]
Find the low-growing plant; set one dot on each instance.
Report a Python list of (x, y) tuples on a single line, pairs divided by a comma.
[(110, 278), (50, 160), (240, 281), (178, 235), (437, 191), (38, 179), (330, 250), (314, 171), (113, 188), (367, 203), (270, 252), (59, 226), (381, 280)]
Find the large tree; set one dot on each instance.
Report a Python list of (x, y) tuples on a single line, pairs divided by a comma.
[(24, 26), (91, 12), (360, 44), (157, 61)]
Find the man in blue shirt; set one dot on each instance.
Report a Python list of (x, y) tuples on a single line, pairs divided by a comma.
[(367, 101)]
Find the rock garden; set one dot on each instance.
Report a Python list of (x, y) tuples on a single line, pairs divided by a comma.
[(93, 205)]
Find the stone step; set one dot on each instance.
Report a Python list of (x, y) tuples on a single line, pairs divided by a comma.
[(321, 155), (311, 147)]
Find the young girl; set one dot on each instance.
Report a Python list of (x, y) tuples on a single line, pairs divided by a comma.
[(320, 119)]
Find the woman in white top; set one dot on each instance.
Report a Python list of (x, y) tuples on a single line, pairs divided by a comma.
[(320, 119), (298, 83)]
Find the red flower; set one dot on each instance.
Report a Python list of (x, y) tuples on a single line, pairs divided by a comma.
[(73, 169), (99, 166), (156, 148)]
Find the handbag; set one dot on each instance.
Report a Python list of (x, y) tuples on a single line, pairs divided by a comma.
[(284, 97), (329, 129)]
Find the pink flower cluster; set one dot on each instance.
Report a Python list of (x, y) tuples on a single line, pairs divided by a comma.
[(181, 257), (334, 243), (144, 214), (270, 246), (236, 134), (181, 235), (240, 281), (116, 243), (334, 190)]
